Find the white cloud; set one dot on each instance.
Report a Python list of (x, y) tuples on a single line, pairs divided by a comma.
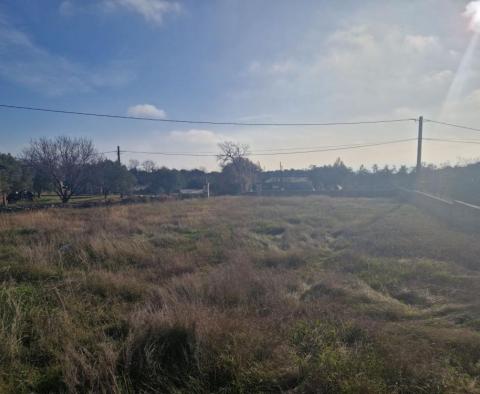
[(438, 77), (67, 8), (380, 46), (472, 12), (277, 68), (422, 43), (358, 36), (196, 137), (146, 111), (282, 67), (24, 62), (464, 110), (387, 68), (358, 71), (153, 11)]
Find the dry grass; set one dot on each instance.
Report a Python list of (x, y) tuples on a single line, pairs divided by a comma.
[(238, 295)]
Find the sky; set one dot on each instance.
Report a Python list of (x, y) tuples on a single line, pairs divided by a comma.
[(260, 61)]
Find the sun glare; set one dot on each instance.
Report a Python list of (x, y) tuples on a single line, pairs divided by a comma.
[(457, 87), (472, 11)]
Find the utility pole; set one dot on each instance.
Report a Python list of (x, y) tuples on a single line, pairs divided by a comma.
[(206, 188), (281, 176), (419, 146), (118, 154)]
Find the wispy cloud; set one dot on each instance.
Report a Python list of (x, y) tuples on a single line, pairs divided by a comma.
[(422, 43), (24, 62), (196, 137), (385, 62), (278, 68), (153, 11), (67, 7), (146, 111)]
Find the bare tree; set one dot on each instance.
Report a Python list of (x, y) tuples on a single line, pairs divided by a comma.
[(235, 164), (232, 153), (65, 160), (149, 166), (133, 164)]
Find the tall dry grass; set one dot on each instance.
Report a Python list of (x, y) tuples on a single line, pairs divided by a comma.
[(238, 295)]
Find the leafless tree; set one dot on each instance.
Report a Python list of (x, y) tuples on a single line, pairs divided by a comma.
[(133, 164), (232, 153), (65, 160), (148, 166), (233, 158)]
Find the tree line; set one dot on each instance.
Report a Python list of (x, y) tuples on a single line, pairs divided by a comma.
[(72, 166)]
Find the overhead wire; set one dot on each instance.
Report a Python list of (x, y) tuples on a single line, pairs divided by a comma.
[(255, 153), (170, 153), (453, 125), (475, 142), (260, 152), (338, 148), (188, 121), (279, 150)]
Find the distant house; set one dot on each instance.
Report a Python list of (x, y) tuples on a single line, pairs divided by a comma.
[(140, 189), (195, 193), (329, 187), (191, 193), (286, 184)]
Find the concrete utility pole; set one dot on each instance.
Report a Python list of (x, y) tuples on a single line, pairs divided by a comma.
[(281, 176), (118, 154), (419, 146)]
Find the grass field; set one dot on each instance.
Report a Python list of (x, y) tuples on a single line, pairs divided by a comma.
[(238, 295)]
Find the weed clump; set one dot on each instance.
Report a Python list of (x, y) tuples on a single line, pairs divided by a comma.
[(336, 358), (160, 356)]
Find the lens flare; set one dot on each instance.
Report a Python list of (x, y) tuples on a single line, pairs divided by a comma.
[(472, 12), (464, 71)]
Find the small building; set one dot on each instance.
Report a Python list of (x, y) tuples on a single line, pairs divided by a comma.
[(290, 184), (195, 193), (191, 193)]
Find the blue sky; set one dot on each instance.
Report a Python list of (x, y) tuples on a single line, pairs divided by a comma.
[(241, 60)]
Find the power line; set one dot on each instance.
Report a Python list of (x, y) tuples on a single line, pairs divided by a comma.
[(209, 122), (313, 147), (328, 149), (475, 142), (169, 153), (210, 153), (333, 149), (453, 125), (103, 153), (277, 152)]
